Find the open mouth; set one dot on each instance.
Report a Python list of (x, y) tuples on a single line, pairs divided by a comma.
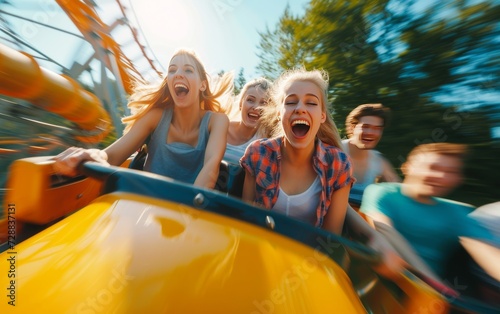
[(300, 127), (433, 184), (181, 89), (253, 116)]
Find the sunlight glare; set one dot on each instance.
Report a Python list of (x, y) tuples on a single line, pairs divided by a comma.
[(174, 22)]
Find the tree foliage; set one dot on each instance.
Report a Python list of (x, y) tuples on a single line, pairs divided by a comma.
[(240, 81), (436, 67)]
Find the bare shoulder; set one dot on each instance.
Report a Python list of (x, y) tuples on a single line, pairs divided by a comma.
[(219, 116), (153, 117), (155, 113), (219, 119)]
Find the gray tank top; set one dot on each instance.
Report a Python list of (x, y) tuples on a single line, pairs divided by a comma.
[(373, 170), (179, 161)]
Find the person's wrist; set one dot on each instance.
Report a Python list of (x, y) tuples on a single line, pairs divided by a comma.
[(103, 154)]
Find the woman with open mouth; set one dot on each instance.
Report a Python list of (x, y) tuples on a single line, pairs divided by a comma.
[(183, 119), (301, 171), (251, 101)]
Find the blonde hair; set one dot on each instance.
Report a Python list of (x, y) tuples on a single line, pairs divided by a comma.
[(260, 82), (327, 132), (149, 96), (264, 85)]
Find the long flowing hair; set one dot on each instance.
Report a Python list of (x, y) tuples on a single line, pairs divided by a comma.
[(148, 96), (328, 132)]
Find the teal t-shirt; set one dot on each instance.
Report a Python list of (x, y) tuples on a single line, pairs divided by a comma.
[(432, 230)]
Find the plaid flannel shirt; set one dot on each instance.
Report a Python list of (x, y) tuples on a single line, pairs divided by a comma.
[(262, 160)]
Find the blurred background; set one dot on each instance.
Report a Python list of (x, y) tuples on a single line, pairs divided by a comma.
[(435, 64), (67, 67)]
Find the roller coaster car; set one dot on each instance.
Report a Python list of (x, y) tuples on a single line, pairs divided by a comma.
[(127, 241)]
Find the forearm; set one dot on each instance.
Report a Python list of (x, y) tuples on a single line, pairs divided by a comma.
[(485, 255), (391, 263), (357, 226), (214, 151), (207, 178), (248, 193), (118, 152), (335, 217), (405, 250), (392, 245)]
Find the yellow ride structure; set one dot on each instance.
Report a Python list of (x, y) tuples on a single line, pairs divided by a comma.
[(152, 245)]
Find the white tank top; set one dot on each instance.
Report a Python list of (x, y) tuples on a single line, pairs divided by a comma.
[(300, 206)]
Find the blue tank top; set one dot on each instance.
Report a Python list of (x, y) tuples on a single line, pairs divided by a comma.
[(234, 153), (179, 161)]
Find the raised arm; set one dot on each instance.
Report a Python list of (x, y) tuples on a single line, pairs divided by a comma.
[(216, 146)]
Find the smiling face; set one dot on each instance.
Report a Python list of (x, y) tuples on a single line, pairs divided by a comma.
[(367, 132), (433, 174), (184, 81), (251, 105), (302, 113)]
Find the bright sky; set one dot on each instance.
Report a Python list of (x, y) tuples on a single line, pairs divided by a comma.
[(224, 33)]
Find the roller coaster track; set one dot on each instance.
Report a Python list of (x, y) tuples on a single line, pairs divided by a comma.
[(65, 75), (93, 111)]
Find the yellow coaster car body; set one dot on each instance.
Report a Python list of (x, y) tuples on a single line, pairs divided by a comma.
[(152, 245)]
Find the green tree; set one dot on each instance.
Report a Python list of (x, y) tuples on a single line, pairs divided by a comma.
[(240, 81), (432, 67), (280, 48)]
